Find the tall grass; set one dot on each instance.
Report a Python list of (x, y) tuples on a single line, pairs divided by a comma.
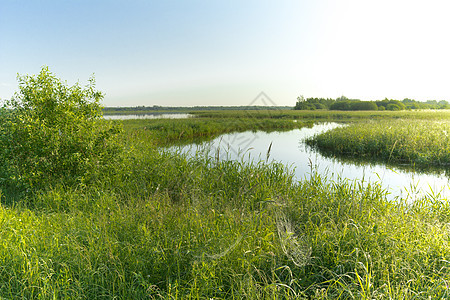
[(164, 131), (224, 230), (418, 142), (165, 226)]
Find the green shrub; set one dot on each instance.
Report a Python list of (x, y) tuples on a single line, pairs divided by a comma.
[(340, 105), (392, 106), (363, 105), (320, 106), (305, 106), (53, 132)]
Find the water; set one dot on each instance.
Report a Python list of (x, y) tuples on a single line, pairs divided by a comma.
[(147, 116), (288, 148)]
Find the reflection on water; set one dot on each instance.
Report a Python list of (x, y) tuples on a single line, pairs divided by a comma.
[(147, 116), (289, 148)]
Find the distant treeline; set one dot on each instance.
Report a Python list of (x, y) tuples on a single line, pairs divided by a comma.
[(343, 103), (162, 109)]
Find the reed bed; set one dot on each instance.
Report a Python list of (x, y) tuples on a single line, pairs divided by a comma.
[(417, 142), (164, 132)]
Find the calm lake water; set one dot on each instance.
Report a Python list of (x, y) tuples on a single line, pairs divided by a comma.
[(288, 148), (147, 116)]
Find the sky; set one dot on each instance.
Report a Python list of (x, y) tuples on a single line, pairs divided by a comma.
[(207, 52)]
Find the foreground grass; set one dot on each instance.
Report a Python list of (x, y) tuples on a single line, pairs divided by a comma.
[(227, 230), (418, 142), (164, 226)]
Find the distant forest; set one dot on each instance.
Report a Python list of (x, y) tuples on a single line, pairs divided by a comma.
[(344, 103)]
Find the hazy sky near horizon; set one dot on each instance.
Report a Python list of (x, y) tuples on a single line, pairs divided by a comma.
[(204, 52)]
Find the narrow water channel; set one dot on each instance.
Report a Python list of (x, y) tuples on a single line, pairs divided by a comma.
[(289, 148)]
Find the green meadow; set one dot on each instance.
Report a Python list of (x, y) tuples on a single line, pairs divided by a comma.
[(120, 217)]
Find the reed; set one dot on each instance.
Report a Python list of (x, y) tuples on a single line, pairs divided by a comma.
[(416, 142), (164, 132)]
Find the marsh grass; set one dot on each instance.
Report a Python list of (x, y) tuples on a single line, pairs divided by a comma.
[(168, 226), (327, 115), (421, 143), (167, 132)]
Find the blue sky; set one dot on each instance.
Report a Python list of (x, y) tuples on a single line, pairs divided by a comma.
[(186, 53)]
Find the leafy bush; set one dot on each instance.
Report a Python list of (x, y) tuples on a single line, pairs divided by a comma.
[(363, 105), (320, 106), (354, 105), (392, 106), (305, 106), (51, 132), (340, 105)]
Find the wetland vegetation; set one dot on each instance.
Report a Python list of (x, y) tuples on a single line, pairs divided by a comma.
[(134, 221), (346, 104), (415, 142)]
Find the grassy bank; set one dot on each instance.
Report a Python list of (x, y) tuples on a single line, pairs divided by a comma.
[(165, 131), (164, 226), (416, 142)]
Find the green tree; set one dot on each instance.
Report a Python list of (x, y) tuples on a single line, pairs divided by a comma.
[(363, 105), (52, 132), (299, 105), (393, 106), (341, 105)]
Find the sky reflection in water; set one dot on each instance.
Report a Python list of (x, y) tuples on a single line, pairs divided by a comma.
[(288, 148)]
